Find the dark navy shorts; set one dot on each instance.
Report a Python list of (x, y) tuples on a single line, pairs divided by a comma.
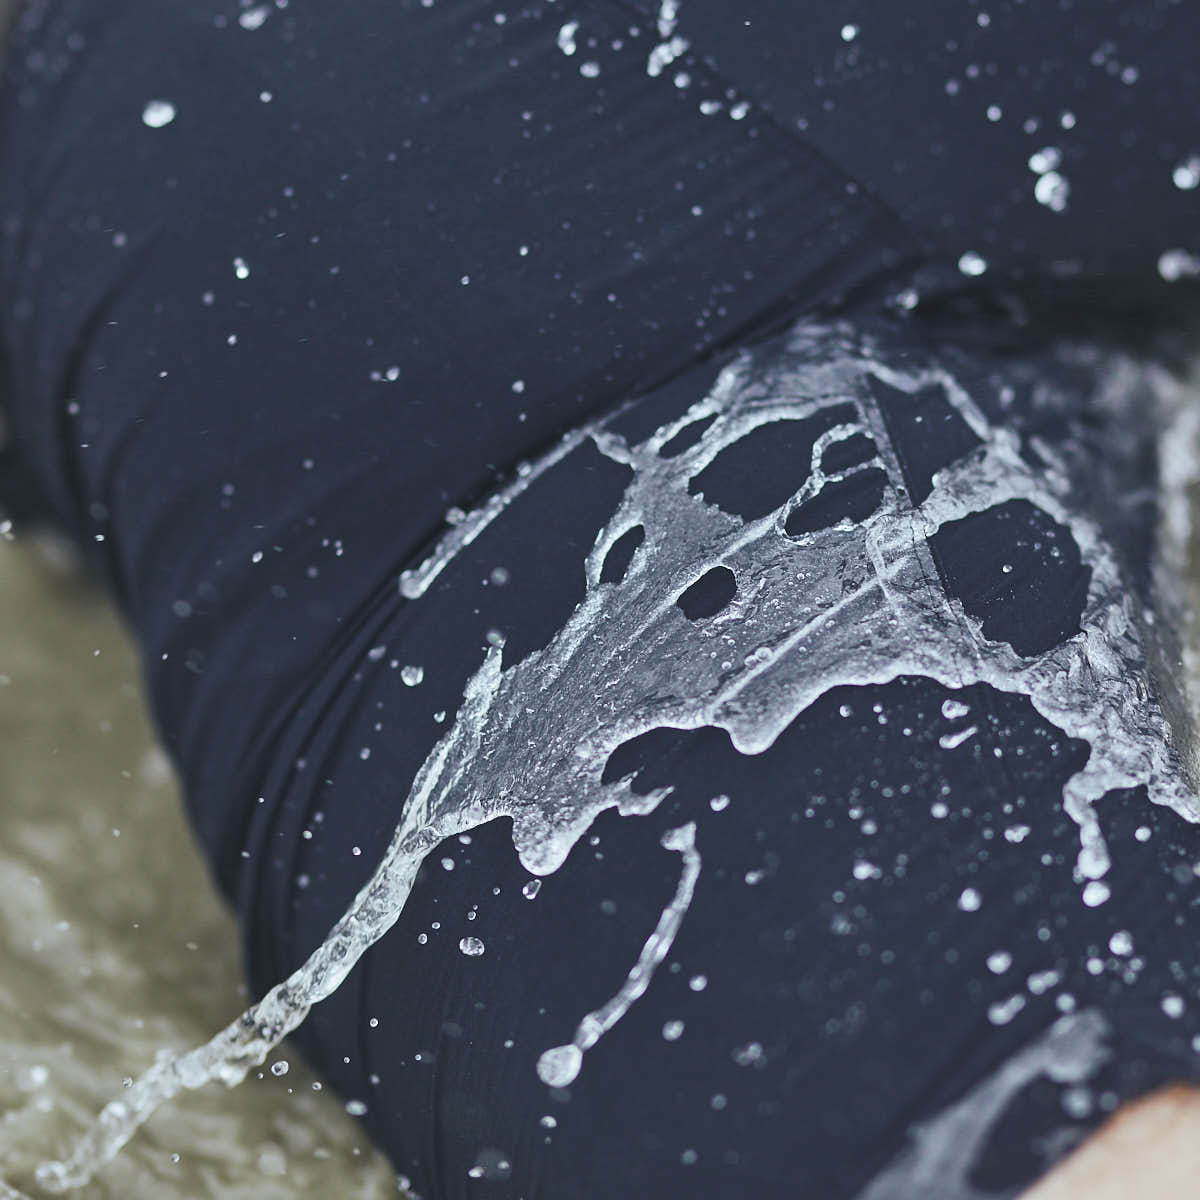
[(753, 414)]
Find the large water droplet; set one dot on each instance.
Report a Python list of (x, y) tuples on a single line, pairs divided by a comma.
[(158, 113), (558, 1066)]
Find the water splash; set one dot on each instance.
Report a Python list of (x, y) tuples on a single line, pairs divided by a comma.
[(946, 1147), (851, 604), (559, 1066)]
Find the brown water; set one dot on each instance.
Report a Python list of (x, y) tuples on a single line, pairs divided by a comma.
[(113, 943)]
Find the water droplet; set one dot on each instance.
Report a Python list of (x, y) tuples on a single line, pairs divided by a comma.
[(953, 709), (1042, 981), (1176, 264), (1121, 942), (254, 18), (412, 675), (1052, 191), (1096, 893), (951, 741), (970, 900), (1186, 176), (672, 1031), (1003, 1012), (999, 961), (1078, 1103), (472, 947), (280, 1068), (559, 1066), (749, 1054), (566, 37), (698, 983), (589, 70), (158, 113), (356, 1108), (849, 33), (972, 264), (719, 803), (491, 1164), (1173, 1006), (531, 889), (240, 269)]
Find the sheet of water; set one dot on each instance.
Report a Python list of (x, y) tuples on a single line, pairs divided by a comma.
[(113, 944)]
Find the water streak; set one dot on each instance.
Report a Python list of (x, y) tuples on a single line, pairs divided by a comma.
[(559, 1065), (945, 1148)]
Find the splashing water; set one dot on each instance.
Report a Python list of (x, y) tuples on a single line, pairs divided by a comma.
[(559, 1066), (945, 1149), (853, 603)]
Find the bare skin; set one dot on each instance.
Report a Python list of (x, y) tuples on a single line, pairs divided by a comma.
[(1148, 1150)]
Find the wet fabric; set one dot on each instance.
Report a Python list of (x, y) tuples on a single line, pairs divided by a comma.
[(286, 287)]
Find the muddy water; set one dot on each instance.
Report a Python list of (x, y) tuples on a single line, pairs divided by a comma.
[(113, 943)]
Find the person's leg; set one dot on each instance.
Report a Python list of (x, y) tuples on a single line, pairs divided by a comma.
[(239, 361), (1146, 1150)]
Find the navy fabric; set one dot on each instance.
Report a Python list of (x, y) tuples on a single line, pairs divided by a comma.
[(256, 344)]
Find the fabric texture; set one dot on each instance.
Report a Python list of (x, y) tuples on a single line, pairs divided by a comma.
[(288, 287)]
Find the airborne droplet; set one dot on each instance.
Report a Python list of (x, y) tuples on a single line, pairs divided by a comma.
[(158, 113)]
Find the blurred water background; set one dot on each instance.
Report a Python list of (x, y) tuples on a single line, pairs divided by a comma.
[(113, 942)]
